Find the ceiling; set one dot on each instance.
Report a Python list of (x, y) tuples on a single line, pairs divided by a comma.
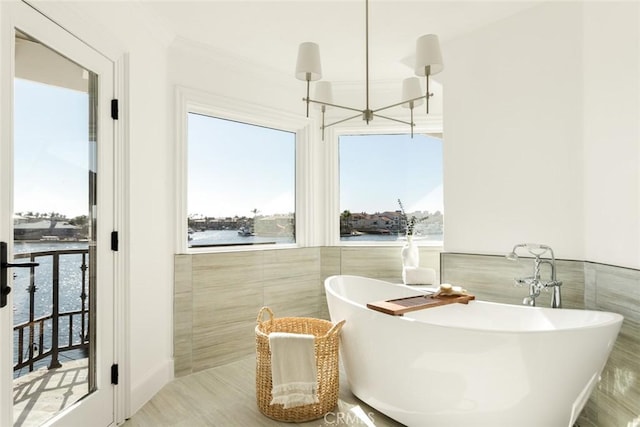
[(267, 33)]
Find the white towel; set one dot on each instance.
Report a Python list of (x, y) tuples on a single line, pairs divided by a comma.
[(293, 369), (418, 276)]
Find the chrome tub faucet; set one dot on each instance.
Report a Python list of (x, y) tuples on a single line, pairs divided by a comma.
[(535, 283)]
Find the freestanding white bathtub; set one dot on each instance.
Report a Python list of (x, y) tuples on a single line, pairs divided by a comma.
[(481, 364)]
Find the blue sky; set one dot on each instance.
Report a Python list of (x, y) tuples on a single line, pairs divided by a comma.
[(51, 149), (233, 168), (377, 170)]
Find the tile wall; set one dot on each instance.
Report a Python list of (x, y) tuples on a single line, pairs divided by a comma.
[(616, 400), (218, 296)]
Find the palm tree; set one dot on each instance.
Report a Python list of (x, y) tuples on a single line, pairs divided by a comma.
[(345, 223)]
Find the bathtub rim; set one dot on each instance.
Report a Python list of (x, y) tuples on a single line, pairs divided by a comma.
[(611, 318)]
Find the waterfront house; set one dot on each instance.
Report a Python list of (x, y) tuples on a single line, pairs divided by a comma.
[(538, 108), (51, 229)]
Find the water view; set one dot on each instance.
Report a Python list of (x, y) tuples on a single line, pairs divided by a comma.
[(70, 279), (436, 237), (233, 237), (70, 291)]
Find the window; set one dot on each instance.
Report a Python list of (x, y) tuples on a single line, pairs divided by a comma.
[(376, 171), (240, 183)]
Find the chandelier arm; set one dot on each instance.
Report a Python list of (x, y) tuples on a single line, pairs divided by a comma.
[(332, 105), (395, 120), (411, 108), (427, 73), (399, 103), (342, 121), (308, 81), (427, 70)]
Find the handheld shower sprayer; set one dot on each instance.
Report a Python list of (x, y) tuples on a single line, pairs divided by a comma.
[(513, 256), (535, 249)]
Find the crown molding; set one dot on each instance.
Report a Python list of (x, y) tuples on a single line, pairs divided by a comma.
[(228, 60), (103, 26)]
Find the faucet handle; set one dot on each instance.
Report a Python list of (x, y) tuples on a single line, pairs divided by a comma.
[(520, 282), (552, 284)]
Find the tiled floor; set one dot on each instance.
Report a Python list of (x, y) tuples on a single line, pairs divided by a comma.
[(225, 396)]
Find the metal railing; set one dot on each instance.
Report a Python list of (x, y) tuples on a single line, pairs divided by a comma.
[(39, 338)]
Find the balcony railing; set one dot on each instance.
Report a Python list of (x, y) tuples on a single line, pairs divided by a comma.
[(56, 332)]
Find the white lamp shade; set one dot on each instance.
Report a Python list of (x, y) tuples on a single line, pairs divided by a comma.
[(411, 89), (308, 62), (323, 93), (428, 53)]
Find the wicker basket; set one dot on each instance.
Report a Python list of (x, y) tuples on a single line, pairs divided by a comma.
[(327, 338)]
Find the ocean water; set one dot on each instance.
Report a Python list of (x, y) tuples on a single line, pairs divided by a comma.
[(70, 284), (231, 237), (391, 238), (70, 279)]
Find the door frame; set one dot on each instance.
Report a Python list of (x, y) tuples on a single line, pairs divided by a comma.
[(112, 214)]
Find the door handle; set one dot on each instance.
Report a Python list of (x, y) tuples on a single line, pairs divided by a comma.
[(4, 266), (22, 264)]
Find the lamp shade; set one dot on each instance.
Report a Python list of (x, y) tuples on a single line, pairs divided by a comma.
[(323, 93), (308, 64), (411, 89), (428, 53)]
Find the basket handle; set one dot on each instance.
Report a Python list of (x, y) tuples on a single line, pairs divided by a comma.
[(335, 329), (261, 314)]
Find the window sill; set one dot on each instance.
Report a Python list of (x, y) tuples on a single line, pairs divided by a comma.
[(428, 245), (240, 248)]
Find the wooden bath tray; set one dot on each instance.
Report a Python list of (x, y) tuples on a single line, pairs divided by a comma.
[(397, 307)]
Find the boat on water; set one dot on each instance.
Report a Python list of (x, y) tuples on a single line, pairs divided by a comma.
[(245, 232)]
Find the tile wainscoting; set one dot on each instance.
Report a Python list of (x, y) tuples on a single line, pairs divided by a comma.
[(217, 296), (616, 400)]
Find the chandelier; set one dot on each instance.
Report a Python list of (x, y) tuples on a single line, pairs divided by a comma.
[(428, 62)]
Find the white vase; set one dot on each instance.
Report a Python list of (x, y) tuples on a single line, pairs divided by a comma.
[(410, 254)]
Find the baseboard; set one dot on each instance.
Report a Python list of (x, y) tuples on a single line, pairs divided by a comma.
[(144, 390)]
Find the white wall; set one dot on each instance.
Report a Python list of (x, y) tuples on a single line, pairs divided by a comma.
[(202, 68), (541, 133), (151, 224), (120, 29), (611, 132), (149, 205), (513, 134)]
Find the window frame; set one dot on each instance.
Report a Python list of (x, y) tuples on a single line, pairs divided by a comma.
[(431, 125), (194, 101)]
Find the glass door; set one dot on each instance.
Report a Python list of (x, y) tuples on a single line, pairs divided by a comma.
[(57, 198)]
